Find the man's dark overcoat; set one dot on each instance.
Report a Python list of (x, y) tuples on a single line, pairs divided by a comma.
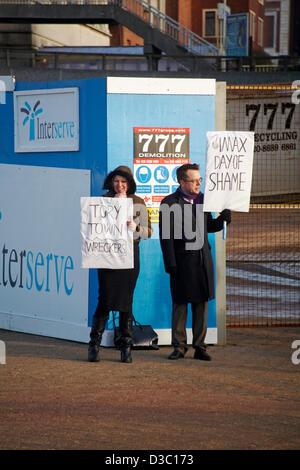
[(191, 270)]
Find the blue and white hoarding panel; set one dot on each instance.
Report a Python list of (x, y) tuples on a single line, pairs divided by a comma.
[(46, 120), (144, 116), (7, 83), (43, 289)]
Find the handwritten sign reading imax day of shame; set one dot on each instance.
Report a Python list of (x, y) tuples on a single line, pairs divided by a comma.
[(228, 177), (106, 240)]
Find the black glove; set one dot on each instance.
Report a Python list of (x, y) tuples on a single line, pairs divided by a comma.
[(226, 215), (172, 270)]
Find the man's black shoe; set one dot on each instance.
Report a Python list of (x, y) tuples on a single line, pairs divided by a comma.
[(93, 353), (202, 355), (176, 354)]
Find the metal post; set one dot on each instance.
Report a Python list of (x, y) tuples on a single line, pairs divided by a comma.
[(224, 26), (220, 125)]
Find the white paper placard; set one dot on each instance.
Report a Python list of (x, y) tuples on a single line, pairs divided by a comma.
[(228, 176), (106, 240)]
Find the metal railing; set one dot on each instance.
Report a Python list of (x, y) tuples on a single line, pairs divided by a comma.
[(106, 61), (167, 25), (190, 41)]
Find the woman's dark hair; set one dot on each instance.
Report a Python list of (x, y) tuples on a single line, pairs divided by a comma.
[(123, 171)]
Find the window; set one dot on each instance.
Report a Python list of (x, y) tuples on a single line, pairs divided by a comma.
[(270, 28), (210, 23), (260, 38), (269, 31), (252, 21)]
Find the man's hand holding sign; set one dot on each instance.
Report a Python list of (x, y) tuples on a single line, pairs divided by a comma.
[(229, 161)]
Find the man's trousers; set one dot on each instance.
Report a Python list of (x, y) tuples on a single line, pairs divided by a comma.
[(199, 326)]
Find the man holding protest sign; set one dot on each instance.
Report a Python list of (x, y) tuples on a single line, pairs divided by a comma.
[(183, 228), (116, 286)]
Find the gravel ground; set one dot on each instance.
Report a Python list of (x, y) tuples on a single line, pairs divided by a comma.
[(247, 397)]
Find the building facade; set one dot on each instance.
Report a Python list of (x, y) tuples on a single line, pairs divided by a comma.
[(205, 18)]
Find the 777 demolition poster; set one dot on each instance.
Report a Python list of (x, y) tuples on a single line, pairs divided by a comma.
[(158, 152)]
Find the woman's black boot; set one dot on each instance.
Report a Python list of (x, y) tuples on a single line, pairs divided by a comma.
[(126, 355), (125, 323), (95, 340)]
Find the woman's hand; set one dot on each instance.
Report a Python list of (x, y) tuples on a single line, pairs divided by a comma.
[(131, 225)]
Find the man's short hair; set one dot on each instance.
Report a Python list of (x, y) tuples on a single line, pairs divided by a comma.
[(181, 171)]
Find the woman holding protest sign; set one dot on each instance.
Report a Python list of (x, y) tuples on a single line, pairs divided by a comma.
[(116, 286)]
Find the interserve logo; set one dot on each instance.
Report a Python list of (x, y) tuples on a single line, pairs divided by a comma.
[(46, 128), (31, 113)]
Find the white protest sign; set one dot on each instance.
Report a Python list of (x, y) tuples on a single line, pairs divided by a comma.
[(228, 177), (106, 240)]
